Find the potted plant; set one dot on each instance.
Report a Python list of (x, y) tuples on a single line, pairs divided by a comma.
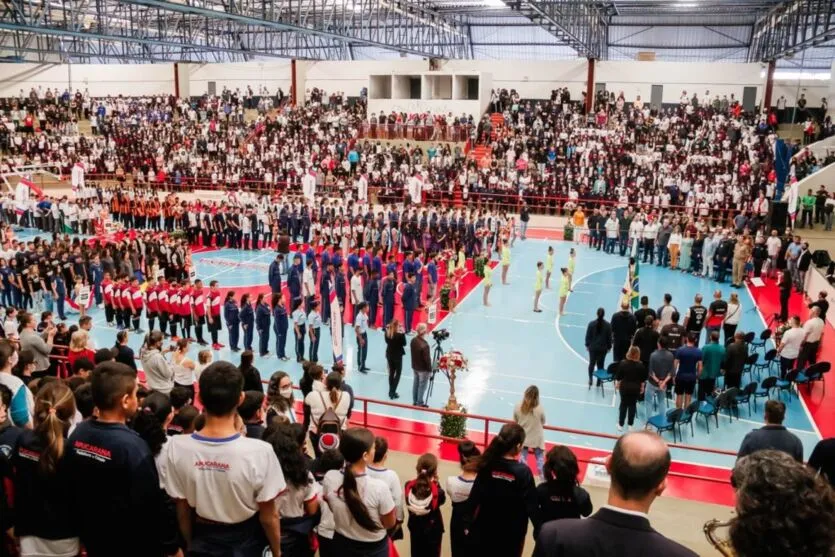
[(445, 290), (568, 233), (453, 425), (480, 262)]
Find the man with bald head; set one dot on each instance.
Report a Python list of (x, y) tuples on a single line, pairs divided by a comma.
[(638, 467)]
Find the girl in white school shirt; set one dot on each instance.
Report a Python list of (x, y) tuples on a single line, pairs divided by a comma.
[(362, 506), (298, 503), (280, 400)]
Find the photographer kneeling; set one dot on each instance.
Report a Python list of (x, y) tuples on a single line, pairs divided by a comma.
[(421, 366)]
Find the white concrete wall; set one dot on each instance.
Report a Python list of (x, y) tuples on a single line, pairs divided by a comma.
[(99, 79), (456, 107), (637, 78), (271, 74), (351, 77), (814, 89), (533, 80)]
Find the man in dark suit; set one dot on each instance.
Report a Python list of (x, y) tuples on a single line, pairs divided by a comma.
[(773, 435), (638, 466), (623, 329)]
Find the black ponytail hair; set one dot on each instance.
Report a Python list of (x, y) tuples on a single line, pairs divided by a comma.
[(598, 325), (509, 437), (149, 422), (355, 442)]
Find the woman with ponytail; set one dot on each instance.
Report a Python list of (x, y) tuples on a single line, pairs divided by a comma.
[(152, 421), (424, 497), (43, 519), (598, 342), (503, 496), (362, 506)]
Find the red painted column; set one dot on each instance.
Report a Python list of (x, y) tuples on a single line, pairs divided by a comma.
[(293, 92), (176, 80), (590, 86), (769, 86)]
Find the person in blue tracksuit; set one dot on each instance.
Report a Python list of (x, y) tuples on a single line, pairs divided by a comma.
[(314, 326), (408, 266), (389, 292), (432, 272), (409, 301), (325, 293), (340, 288), (294, 279), (310, 255), (280, 325), (353, 262), (59, 290), (274, 276), (418, 278), (231, 315), (96, 277), (247, 317), (372, 298), (299, 322), (262, 323)]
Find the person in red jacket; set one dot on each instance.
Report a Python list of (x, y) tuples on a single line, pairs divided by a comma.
[(174, 309), (107, 294), (136, 303), (215, 304), (152, 301), (199, 299), (185, 309), (162, 305)]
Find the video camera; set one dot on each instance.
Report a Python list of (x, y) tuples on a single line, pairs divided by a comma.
[(440, 335)]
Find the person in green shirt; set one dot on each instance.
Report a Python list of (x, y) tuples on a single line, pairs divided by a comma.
[(505, 261), (808, 203), (549, 267), (537, 287), (572, 264), (488, 282), (713, 356), (565, 284)]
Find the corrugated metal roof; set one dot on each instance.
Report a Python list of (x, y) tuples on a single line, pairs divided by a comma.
[(679, 37)]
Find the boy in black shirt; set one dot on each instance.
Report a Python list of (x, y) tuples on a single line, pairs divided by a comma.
[(116, 487), (695, 320)]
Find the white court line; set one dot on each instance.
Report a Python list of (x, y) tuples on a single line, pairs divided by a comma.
[(799, 396), (233, 268), (609, 284), (575, 291), (557, 320)]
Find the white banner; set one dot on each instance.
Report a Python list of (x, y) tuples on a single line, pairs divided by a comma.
[(336, 326), (432, 313), (83, 298)]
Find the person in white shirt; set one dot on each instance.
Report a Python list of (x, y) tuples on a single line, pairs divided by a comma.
[(812, 333), (362, 506), (332, 397), (773, 246), (356, 291), (308, 285), (386, 475), (789, 347), (649, 234), (225, 484)]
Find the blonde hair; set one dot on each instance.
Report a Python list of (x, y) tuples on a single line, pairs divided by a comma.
[(634, 354), (54, 409), (531, 399), (734, 298), (204, 356), (392, 327), (78, 340)]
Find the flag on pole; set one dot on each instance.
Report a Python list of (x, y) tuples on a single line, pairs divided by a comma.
[(24, 190), (336, 325), (635, 287)]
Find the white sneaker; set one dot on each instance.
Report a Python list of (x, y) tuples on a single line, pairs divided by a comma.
[(620, 427), (630, 428)]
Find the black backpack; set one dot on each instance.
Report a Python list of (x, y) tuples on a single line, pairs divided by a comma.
[(329, 421)]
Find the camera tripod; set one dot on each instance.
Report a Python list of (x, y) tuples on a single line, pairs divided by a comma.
[(436, 358)]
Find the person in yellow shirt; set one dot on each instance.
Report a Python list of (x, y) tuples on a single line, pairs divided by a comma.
[(505, 261), (572, 264), (537, 287), (488, 282), (564, 289), (579, 221), (549, 267)]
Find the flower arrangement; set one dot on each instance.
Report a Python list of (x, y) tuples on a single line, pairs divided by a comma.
[(452, 361), (482, 233), (445, 290), (447, 255), (453, 425), (568, 232)]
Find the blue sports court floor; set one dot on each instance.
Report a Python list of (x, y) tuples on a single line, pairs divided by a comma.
[(509, 347)]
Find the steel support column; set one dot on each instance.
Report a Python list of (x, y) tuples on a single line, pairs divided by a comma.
[(769, 86), (590, 86)]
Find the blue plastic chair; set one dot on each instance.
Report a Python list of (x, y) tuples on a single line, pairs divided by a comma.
[(761, 342), (812, 374), (604, 376), (666, 422), (687, 418), (750, 362), (708, 408), (766, 363), (744, 397), (765, 389), (787, 383)]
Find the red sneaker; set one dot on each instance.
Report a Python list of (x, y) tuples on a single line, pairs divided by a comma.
[(216, 346)]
